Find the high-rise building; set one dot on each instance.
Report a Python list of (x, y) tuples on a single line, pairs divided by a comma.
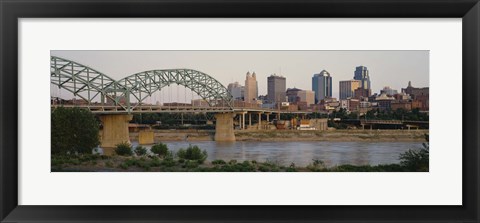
[(236, 90), (251, 88), (276, 88), (361, 74), (322, 85), (307, 96), (292, 94), (347, 88)]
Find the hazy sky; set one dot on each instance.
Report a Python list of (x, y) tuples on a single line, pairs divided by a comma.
[(387, 68)]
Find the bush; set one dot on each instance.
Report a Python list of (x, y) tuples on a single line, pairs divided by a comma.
[(191, 164), (123, 166), (140, 150), (218, 162), (168, 160), (123, 149), (155, 162), (193, 153), (416, 160), (74, 131), (159, 149), (109, 164), (317, 165)]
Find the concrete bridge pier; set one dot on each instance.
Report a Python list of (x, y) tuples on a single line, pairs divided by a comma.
[(224, 127), (115, 131), (260, 120)]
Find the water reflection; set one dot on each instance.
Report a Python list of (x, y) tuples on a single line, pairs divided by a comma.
[(302, 153)]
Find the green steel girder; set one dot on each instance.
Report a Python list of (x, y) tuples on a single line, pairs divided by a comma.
[(83, 81), (143, 84), (78, 78)]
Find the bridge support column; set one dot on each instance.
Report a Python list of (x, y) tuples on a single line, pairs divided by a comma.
[(115, 131), (243, 120), (249, 120), (259, 120), (224, 127), (146, 137)]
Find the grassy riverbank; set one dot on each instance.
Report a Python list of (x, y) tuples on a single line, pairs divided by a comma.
[(98, 163), (193, 159)]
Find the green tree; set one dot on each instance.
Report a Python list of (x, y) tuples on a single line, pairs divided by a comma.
[(159, 149), (193, 152), (74, 130), (416, 160)]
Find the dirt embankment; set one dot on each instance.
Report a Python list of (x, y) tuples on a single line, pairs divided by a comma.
[(334, 135), (294, 135), (179, 135)]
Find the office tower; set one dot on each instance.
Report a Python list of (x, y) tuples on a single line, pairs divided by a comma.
[(236, 90), (276, 88), (251, 88), (347, 88), (307, 96), (361, 74), (322, 85), (292, 94)]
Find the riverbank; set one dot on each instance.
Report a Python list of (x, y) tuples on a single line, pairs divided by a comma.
[(98, 163), (293, 135)]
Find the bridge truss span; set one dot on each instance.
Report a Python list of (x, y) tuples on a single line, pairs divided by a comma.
[(95, 87), (84, 82), (142, 85)]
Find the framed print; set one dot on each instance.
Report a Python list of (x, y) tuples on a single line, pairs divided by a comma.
[(239, 111)]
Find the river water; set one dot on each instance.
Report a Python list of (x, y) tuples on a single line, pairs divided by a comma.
[(302, 153)]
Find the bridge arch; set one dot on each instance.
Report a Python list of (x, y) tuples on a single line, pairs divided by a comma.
[(90, 84), (144, 84), (84, 82)]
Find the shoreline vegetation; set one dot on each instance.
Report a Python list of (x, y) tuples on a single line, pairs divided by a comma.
[(75, 132), (374, 135), (192, 159)]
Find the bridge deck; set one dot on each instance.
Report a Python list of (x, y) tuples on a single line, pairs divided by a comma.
[(110, 109)]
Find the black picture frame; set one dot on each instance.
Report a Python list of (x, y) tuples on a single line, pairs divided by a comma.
[(11, 11)]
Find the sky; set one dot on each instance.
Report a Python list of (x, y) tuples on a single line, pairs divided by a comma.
[(386, 68)]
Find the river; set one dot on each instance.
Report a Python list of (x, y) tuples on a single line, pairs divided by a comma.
[(302, 153)]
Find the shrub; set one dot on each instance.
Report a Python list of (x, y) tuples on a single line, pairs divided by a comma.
[(123, 149), (109, 163), (218, 162), (416, 160), (74, 131), (159, 149), (140, 150), (168, 160), (317, 165), (123, 166), (155, 162), (191, 164), (193, 153), (231, 162)]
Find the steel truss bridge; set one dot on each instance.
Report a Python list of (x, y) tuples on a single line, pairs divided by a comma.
[(93, 86)]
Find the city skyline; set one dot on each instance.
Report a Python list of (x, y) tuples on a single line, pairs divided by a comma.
[(386, 68)]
